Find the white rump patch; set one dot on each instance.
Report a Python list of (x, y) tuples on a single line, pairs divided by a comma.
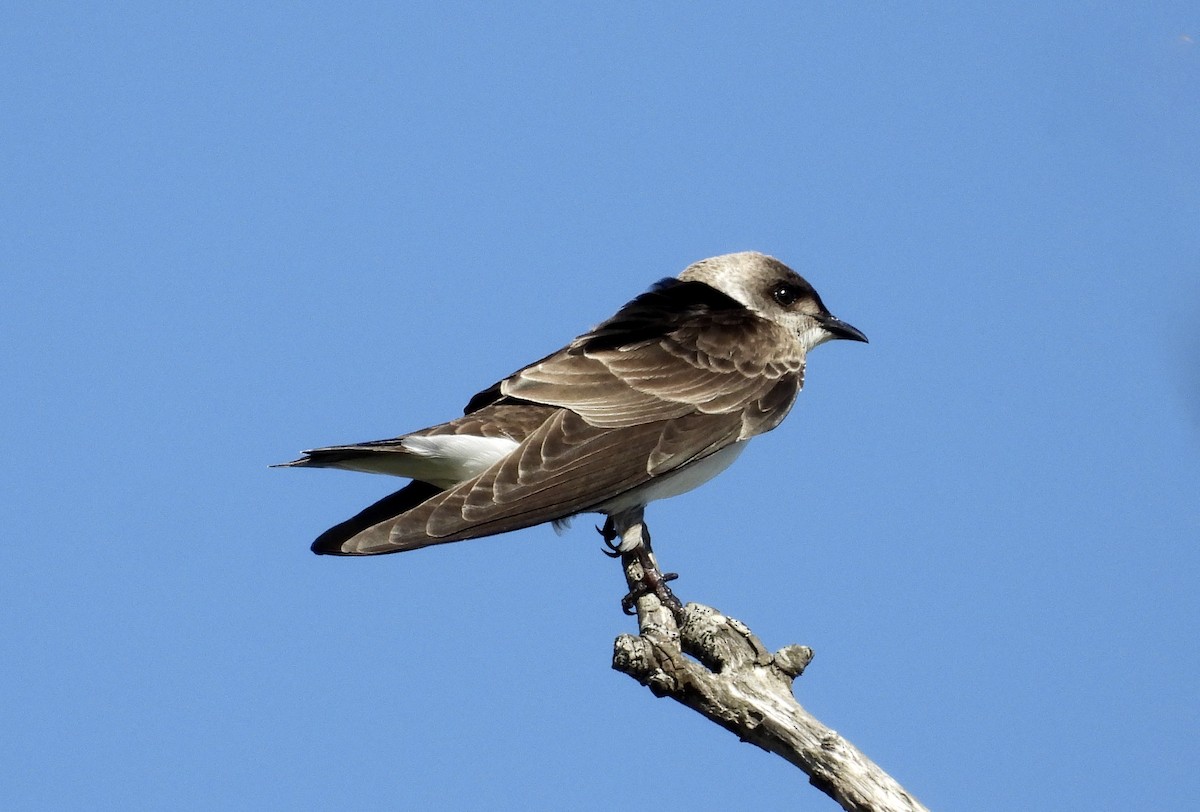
[(447, 459)]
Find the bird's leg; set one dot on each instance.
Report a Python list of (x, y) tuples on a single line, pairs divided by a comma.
[(652, 560), (641, 567)]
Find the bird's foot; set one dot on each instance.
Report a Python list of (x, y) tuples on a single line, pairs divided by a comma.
[(615, 548), (656, 585), (610, 535), (653, 582)]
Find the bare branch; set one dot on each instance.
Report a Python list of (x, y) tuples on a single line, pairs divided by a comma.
[(738, 683)]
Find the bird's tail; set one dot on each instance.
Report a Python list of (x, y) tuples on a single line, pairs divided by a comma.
[(389, 507), (386, 457)]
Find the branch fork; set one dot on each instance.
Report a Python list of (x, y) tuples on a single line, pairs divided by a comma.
[(717, 666)]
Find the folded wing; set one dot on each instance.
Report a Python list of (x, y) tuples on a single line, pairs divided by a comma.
[(681, 348), (678, 374), (566, 466)]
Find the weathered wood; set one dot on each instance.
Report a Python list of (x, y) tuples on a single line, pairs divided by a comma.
[(738, 683)]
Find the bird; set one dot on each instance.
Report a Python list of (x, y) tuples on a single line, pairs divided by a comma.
[(649, 404)]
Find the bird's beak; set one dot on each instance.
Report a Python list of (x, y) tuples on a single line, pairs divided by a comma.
[(839, 329)]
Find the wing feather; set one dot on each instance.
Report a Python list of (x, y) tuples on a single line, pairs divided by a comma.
[(710, 356), (566, 466), (678, 374)]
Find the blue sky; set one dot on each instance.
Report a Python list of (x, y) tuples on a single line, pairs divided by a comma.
[(230, 233)]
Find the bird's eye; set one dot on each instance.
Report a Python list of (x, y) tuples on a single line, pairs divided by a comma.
[(784, 294)]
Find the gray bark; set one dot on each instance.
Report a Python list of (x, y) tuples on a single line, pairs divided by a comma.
[(738, 683)]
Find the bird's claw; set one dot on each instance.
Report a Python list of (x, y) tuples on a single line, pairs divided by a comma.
[(654, 583), (609, 533)]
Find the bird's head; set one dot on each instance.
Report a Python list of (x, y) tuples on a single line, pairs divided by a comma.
[(775, 292)]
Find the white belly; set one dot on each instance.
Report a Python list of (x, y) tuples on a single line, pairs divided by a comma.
[(676, 482)]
